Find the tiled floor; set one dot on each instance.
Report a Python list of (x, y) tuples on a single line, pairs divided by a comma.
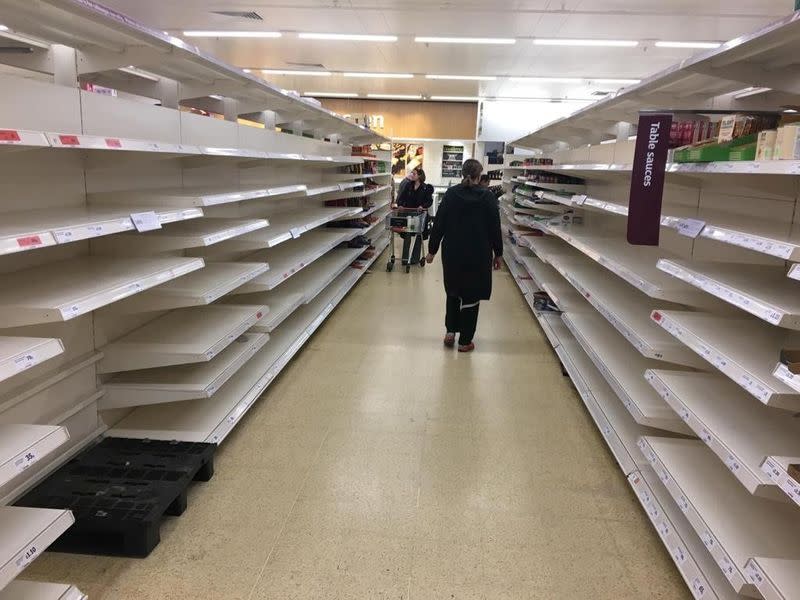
[(382, 466)]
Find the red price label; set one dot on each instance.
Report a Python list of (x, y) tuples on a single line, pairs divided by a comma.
[(29, 242), (69, 140), (9, 135), (113, 143)]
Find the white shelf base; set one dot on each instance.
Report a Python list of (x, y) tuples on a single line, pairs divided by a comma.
[(187, 197), (34, 590), (64, 290), (740, 431), (774, 578), (182, 382), (22, 446), (186, 335), (19, 354), (733, 524), (27, 532)]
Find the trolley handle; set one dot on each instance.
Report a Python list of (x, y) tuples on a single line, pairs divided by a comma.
[(419, 209)]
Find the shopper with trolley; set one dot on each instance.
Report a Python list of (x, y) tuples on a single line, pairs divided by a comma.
[(414, 196), (467, 227)]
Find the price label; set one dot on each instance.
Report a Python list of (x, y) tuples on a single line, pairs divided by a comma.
[(699, 587), (69, 140), (9, 136), (664, 476), (705, 435), (27, 557), (708, 539), (113, 143), (146, 221), (26, 361), (683, 504), (679, 554), (754, 574), (29, 241), (25, 460), (663, 528), (727, 567), (296, 232), (732, 463), (690, 227), (684, 413)]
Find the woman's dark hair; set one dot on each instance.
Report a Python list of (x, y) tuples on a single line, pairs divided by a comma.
[(471, 171), (421, 174)]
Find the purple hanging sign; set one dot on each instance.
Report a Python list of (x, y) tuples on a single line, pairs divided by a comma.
[(647, 179)]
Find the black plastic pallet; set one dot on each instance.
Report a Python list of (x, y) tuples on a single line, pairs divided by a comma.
[(119, 492)]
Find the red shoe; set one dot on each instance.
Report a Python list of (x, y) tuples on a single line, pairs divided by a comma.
[(468, 348), (450, 340)]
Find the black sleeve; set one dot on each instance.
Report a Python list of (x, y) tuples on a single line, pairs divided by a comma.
[(401, 192), (493, 221), (427, 197), (437, 233)]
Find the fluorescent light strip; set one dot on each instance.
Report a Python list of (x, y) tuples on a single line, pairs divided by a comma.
[(395, 96), (347, 37), (131, 70), (547, 79), (296, 72), (456, 98), (381, 75), (464, 40), (234, 34), (330, 94), (463, 77), (750, 91), (577, 42), (704, 45)]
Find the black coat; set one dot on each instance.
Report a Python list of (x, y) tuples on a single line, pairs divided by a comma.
[(468, 227), (422, 197)]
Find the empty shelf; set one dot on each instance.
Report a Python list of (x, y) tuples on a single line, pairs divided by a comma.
[(19, 353), (777, 469), (744, 350), (627, 310), (200, 288), (360, 213), (286, 226), (761, 290), (34, 590), (774, 578), (27, 532), (615, 424), (291, 258), (694, 563), (774, 238), (181, 382), (21, 446), (186, 335), (623, 369), (733, 524), (65, 290), (548, 248), (549, 280), (187, 197), (282, 302), (28, 230), (186, 234), (739, 430), (634, 264)]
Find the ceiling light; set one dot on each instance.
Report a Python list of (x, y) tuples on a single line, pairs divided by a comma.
[(464, 40), (790, 111), (215, 96), (347, 37), (234, 34), (381, 75), (395, 96), (576, 42), (613, 81), (547, 79), (330, 94), (750, 91), (290, 72), (245, 70), (463, 77), (609, 141), (456, 98), (688, 44), (131, 70)]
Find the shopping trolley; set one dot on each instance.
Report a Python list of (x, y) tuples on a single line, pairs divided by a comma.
[(413, 221)]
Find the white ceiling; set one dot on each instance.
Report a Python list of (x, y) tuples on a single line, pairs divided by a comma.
[(642, 20)]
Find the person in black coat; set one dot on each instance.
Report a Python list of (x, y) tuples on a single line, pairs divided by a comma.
[(467, 227), (414, 193)]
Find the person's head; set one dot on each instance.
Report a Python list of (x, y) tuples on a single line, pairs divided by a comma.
[(417, 175), (485, 181), (471, 172)]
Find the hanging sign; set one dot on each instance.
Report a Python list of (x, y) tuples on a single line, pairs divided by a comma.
[(647, 179)]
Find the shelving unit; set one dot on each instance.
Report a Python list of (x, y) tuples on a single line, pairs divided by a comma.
[(62, 291), (744, 350), (186, 335), (27, 532), (623, 369), (741, 432), (734, 531), (183, 382), (22, 446), (33, 590), (759, 290), (19, 354)]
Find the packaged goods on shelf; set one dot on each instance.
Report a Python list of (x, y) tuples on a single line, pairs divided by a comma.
[(787, 143), (766, 144)]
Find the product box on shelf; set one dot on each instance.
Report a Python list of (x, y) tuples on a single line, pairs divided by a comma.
[(742, 148), (787, 143), (766, 144)]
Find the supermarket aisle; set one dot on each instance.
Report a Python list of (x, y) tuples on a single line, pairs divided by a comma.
[(381, 465)]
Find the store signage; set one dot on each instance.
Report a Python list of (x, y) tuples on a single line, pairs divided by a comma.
[(647, 179)]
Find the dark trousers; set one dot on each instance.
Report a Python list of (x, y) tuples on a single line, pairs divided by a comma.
[(416, 255), (462, 318)]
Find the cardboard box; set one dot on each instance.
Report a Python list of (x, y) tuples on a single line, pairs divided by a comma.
[(766, 144), (787, 144), (791, 358)]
